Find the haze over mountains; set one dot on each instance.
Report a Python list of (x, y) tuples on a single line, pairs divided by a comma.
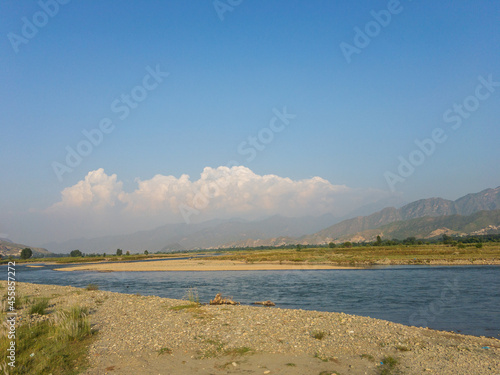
[(278, 230)]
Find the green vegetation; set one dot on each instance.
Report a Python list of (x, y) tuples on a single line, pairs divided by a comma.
[(92, 287), (290, 364), (39, 306), (75, 253), (184, 307), (192, 296), (387, 366), (318, 335), (164, 351), (57, 346), (26, 253)]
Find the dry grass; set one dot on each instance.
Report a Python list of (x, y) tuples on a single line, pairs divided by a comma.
[(416, 254)]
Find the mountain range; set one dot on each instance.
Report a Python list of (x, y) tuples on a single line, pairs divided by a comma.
[(437, 216)]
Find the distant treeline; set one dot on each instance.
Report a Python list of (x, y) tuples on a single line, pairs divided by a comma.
[(409, 241)]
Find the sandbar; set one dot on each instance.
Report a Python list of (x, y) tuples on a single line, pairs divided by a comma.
[(199, 265)]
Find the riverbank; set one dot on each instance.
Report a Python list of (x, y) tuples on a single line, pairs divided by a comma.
[(213, 264), (153, 335)]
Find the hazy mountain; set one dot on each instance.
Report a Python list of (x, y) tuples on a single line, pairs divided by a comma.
[(208, 234), (358, 228), (482, 222), (7, 247), (488, 199)]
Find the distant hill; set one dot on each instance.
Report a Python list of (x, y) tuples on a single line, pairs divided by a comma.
[(208, 234), (7, 248), (362, 228), (479, 223), (488, 199)]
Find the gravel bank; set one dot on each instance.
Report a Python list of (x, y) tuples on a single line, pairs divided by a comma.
[(144, 335)]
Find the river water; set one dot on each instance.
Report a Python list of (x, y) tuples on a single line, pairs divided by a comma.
[(463, 299)]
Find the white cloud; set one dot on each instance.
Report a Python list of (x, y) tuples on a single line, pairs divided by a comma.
[(218, 193), (97, 190)]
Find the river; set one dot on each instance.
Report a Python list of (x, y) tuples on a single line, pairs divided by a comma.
[(463, 299)]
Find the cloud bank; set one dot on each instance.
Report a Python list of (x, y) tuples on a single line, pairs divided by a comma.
[(99, 205)]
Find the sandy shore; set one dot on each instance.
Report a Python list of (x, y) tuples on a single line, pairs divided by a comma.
[(198, 264), (152, 335)]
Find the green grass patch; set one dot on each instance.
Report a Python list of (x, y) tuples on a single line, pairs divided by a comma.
[(184, 307), (41, 348)]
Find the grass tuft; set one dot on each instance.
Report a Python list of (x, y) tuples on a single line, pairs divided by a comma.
[(388, 365), (164, 351), (92, 287), (39, 307), (72, 324), (193, 296), (318, 335)]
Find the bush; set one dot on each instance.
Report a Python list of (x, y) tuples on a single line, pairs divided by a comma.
[(92, 287), (479, 245)]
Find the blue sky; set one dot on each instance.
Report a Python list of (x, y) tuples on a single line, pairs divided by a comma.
[(227, 77)]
